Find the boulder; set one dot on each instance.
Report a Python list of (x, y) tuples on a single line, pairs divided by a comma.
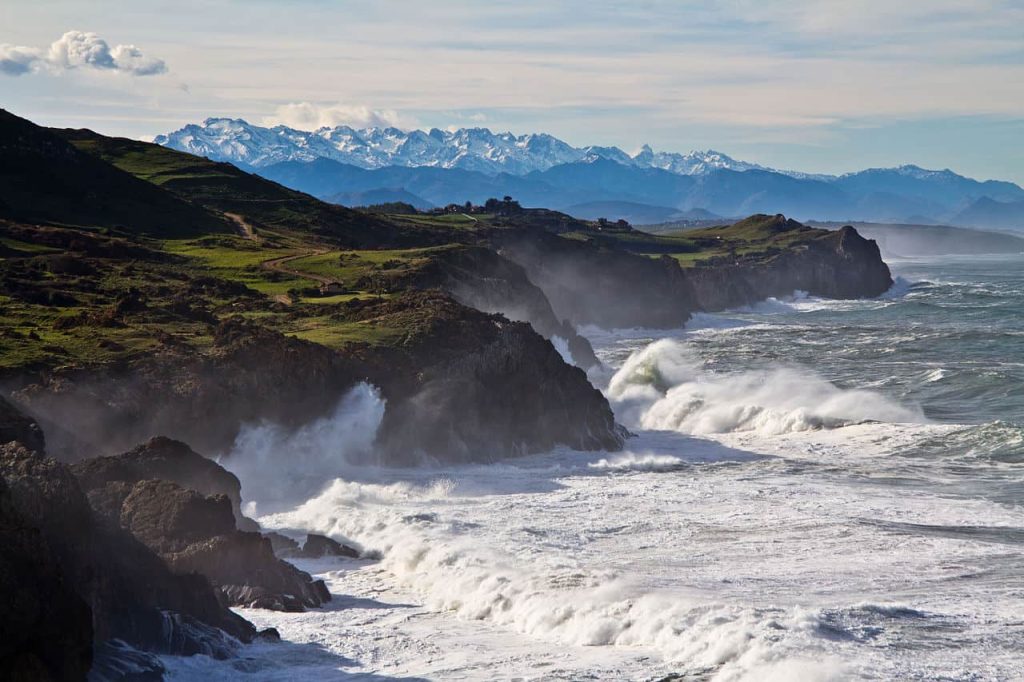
[(244, 568), (169, 460), (317, 546), (168, 518), (195, 534), (132, 594), (282, 545)]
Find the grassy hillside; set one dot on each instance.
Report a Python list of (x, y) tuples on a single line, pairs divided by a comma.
[(247, 200), (111, 248), (43, 178)]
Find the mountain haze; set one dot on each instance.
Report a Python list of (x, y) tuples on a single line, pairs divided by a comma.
[(437, 167)]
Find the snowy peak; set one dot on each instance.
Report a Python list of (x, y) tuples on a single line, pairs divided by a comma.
[(478, 149)]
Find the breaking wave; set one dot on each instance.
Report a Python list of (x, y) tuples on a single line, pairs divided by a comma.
[(280, 465), (664, 387), (554, 599)]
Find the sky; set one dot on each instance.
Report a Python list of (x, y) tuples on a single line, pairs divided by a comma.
[(813, 85)]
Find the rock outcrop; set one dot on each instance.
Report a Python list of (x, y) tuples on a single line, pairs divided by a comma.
[(606, 285), (168, 460), (250, 374), (840, 265), (603, 286), (468, 386), (482, 279), (192, 532), (129, 591), (458, 384), (317, 546)]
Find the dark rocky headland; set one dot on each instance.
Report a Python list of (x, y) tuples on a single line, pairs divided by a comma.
[(152, 302)]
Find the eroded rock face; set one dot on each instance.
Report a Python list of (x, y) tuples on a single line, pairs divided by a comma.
[(252, 373), (610, 288), (46, 629), (842, 265), (474, 387), (168, 518), (247, 572), (131, 593), (482, 279), (168, 460), (196, 534)]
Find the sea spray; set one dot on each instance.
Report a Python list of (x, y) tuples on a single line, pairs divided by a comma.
[(552, 598), (664, 387), (277, 465)]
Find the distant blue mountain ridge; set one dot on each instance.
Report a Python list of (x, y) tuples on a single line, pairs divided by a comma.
[(435, 168)]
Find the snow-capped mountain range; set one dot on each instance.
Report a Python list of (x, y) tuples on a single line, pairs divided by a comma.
[(475, 149), (437, 167)]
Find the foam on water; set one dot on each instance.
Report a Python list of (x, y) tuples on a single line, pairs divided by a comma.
[(808, 499), (664, 387)]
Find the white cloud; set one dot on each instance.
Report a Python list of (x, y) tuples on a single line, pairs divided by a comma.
[(309, 116), (79, 49), (14, 60)]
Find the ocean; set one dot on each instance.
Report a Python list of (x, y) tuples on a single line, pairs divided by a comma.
[(817, 490)]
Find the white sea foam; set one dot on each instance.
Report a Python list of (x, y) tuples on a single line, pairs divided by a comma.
[(551, 598), (630, 461), (664, 387)]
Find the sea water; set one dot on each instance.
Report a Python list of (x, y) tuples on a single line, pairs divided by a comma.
[(817, 490)]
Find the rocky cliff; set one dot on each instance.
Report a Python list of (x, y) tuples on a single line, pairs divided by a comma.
[(482, 279), (605, 286), (466, 385), (458, 383), (632, 279), (840, 265), (119, 588)]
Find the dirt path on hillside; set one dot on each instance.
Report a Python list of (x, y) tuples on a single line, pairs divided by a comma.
[(244, 227), (280, 265)]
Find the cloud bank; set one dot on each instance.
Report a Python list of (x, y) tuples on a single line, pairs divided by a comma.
[(78, 50), (309, 116)]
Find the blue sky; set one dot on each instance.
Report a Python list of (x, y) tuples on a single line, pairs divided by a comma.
[(813, 85)]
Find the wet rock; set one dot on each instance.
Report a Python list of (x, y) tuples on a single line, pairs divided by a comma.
[(117, 661), (244, 568), (282, 545), (131, 592), (317, 546), (168, 460)]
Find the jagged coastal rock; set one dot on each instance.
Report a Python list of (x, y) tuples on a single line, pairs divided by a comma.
[(168, 460), (841, 265), (129, 591), (590, 282), (193, 532), (462, 384)]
